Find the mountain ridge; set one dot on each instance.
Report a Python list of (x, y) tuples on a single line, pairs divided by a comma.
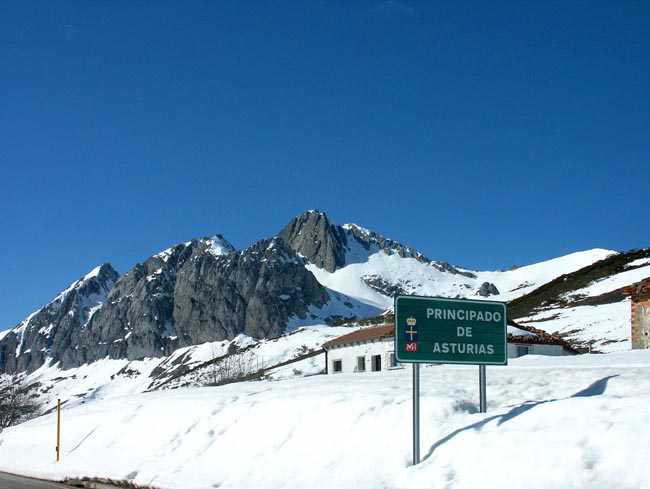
[(313, 272)]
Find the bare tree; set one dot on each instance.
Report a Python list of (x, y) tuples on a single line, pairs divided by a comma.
[(232, 367), (18, 400)]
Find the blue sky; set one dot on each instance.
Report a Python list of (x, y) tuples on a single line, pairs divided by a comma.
[(485, 134)]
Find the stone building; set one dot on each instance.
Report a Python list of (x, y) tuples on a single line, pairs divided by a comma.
[(639, 294)]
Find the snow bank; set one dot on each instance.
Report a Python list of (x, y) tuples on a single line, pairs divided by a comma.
[(551, 422)]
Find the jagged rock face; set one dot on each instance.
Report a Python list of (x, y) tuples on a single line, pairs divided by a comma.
[(313, 236), (136, 317), (368, 239), (326, 245), (52, 331), (189, 295), (255, 292)]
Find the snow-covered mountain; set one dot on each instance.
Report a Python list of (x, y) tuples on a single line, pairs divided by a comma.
[(313, 272)]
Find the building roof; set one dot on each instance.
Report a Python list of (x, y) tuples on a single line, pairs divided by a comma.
[(538, 337), (363, 335), (639, 288)]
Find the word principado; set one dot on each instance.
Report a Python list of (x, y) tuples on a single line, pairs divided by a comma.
[(464, 315)]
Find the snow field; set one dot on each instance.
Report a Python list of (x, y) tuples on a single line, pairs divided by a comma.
[(551, 422)]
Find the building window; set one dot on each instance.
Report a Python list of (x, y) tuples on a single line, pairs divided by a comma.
[(361, 364), (523, 350), (337, 366), (376, 363)]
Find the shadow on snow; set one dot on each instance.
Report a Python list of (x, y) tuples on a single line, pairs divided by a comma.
[(595, 389)]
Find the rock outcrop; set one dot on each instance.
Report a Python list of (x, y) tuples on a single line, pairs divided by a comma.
[(53, 330), (314, 237), (487, 289)]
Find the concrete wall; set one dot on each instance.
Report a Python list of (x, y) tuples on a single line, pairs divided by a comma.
[(536, 349), (349, 354)]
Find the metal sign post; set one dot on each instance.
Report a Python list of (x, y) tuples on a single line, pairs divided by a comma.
[(416, 413), (440, 330), (58, 430), (481, 389)]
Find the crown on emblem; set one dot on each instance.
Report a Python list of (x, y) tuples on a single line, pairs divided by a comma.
[(411, 321)]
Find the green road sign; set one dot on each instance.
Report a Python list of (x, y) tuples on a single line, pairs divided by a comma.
[(436, 330)]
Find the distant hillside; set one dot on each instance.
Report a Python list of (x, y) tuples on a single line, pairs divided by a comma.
[(558, 292), (587, 307)]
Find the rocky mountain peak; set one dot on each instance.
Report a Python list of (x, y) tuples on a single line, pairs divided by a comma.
[(316, 238), (328, 245)]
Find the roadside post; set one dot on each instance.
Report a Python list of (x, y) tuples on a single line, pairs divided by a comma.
[(458, 331), (58, 429)]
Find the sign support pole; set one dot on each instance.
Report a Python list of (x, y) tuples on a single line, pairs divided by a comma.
[(481, 390), (416, 413), (58, 430)]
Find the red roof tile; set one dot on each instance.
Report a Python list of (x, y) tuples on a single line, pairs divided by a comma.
[(639, 288), (363, 334)]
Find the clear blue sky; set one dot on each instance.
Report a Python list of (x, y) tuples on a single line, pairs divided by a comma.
[(484, 134)]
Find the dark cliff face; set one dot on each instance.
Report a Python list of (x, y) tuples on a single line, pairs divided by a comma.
[(313, 236), (189, 295), (255, 292), (136, 317), (52, 331)]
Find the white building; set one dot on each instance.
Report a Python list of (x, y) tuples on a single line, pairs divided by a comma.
[(372, 349), (365, 350)]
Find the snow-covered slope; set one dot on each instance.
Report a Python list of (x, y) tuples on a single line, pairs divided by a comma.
[(588, 315), (551, 422), (109, 378), (605, 327), (412, 276), (522, 280), (373, 275)]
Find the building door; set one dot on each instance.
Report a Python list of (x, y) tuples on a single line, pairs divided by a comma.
[(376, 363)]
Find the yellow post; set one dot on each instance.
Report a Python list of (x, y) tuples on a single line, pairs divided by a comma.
[(58, 430)]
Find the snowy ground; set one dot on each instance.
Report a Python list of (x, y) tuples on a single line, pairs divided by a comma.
[(606, 327), (568, 422)]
